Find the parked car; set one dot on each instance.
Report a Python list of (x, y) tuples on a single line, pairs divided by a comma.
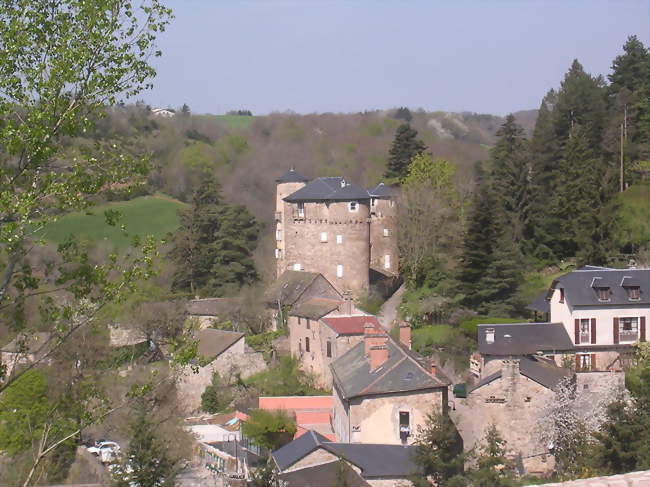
[(107, 451)]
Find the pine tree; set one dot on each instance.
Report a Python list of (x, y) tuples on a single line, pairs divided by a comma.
[(405, 147), (494, 469)]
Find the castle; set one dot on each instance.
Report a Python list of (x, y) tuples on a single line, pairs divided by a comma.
[(336, 228)]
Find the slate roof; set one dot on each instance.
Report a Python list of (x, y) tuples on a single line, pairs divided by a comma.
[(315, 308), (290, 286), (213, 343), (579, 285), (540, 303), (292, 176), (383, 191), (374, 460), (211, 306), (350, 325), (329, 189), (523, 338), (324, 475), (538, 369), (404, 371)]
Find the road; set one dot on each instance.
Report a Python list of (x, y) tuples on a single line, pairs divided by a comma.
[(388, 312)]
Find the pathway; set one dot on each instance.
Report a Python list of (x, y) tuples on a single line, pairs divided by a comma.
[(388, 312)]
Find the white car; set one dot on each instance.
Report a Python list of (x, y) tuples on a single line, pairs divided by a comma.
[(107, 451)]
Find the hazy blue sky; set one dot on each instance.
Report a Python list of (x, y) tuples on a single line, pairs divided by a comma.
[(351, 55)]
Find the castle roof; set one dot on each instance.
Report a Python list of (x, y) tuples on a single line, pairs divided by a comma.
[(383, 191), (329, 189), (292, 176)]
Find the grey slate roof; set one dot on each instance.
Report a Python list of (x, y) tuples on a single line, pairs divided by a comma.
[(374, 460), (290, 286), (211, 306), (579, 285), (292, 176), (329, 189), (383, 191), (315, 308), (523, 338), (403, 371), (538, 369), (212, 342), (324, 475)]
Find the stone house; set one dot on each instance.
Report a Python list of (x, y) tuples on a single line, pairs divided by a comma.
[(378, 465), (383, 391), (512, 397), (21, 351), (330, 226), (221, 351), (210, 310), (605, 311)]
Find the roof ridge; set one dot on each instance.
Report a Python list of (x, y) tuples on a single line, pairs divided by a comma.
[(381, 376)]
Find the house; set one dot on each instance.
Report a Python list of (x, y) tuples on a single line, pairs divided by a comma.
[(383, 391), (163, 112), (336, 228), (381, 465), (605, 311), (305, 293), (220, 351), (323, 475), (512, 396), (23, 350), (208, 311), (311, 413)]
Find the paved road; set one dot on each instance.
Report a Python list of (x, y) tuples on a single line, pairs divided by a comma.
[(388, 311)]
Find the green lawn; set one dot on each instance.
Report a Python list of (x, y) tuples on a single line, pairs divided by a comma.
[(232, 122), (147, 215)]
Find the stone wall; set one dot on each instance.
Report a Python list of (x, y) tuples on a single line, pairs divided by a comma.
[(383, 236), (282, 191)]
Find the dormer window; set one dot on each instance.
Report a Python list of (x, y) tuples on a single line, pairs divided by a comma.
[(489, 335), (603, 293), (633, 293), (353, 206)]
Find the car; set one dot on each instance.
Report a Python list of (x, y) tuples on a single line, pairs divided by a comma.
[(107, 451)]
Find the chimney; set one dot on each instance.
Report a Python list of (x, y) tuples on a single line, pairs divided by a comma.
[(372, 337), (378, 356), (347, 303), (405, 334), (434, 369)]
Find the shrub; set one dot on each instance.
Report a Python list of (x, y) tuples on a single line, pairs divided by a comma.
[(216, 397), (284, 378)]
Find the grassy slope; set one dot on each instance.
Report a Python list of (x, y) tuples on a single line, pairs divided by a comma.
[(148, 215), (634, 215)]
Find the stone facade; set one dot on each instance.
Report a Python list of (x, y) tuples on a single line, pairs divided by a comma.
[(384, 254)]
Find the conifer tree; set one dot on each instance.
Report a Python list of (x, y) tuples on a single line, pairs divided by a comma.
[(494, 469), (405, 147)]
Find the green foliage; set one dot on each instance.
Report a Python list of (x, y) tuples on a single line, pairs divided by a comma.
[(470, 325), (370, 303), (405, 147), (149, 215), (263, 342), (633, 217), (493, 468), (216, 397), (269, 429), (125, 354), (284, 378), (213, 247)]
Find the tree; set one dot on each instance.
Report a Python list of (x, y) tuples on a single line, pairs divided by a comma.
[(403, 113), (147, 462), (439, 450), (185, 109), (405, 147), (270, 429), (213, 247), (493, 468), (216, 397)]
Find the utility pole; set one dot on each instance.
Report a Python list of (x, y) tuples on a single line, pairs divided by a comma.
[(622, 134)]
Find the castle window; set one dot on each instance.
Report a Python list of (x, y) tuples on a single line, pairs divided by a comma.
[(353, 206), (296, 267), (278, 253), (307, 344), (278, 235), (339, 239), (329, 349), (339, 270), (386, 232), (301, 210), (323, 236), (387, 261)]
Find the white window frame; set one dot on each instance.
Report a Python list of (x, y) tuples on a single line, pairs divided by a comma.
[(297, 267), (588, 332), (386, 232), (278, 253), (278, 235), (353, 206), (323, 237), (387, 261), (339, 270), (489, 335), (586, 359), (339, 239), (621, 330), (301, 210)]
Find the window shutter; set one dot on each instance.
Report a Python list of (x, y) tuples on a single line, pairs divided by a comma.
[(593, 362), (615, 330), (593, 330), (642, 330), (577, 362), (577, 331)]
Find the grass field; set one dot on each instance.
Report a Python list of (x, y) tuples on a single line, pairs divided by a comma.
[(232, 122), (147, 215)]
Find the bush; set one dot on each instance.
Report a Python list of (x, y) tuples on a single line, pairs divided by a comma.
[(263, 342), (284, 378), (217, 396)]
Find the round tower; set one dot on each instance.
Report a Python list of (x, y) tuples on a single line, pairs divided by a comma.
[(287, 184)]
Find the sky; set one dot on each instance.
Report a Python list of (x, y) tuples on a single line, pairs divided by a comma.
[(484, 56)]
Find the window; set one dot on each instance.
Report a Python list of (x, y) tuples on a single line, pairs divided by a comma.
[(386, 232), (339, 239), (391, 203), (323, 236), (307, 344), (585, 330), (329, 349), (404, 425), (387, 261), (583, 361), (278, 235), (603, 293), (308, 324), (489, 335), (373, 202), (633, 293), (628, 329), (353, 206), (561, 295), (339, 270), (301, 210), (299, 320), (296, 267), (278, 253)]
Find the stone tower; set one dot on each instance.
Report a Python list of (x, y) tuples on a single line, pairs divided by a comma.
[(287, 184), (384, 252)]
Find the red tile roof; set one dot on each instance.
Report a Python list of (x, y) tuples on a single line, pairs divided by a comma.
[(350, 325)]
